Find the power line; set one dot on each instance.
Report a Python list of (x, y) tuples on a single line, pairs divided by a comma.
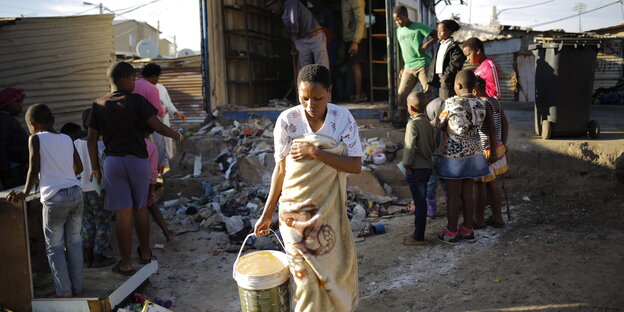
[(138, 7), (85, 11), (523, 7), (575, 15)]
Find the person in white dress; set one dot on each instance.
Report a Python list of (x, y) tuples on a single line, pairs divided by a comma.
[(172, 111)]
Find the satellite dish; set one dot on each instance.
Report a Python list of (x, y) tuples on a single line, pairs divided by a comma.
[(185, 52), (147, 48)]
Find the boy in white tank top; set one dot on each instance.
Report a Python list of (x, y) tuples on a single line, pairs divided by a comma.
[(55, 162)]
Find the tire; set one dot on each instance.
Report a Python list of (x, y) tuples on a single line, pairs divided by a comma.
[(547, 128), (593, 128)]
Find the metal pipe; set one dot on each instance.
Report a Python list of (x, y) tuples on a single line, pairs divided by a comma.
[(205, 58)]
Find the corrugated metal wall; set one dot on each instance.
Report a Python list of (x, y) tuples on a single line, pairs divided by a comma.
[(183, 80), (508, 77), (59, 61), (609, 64)]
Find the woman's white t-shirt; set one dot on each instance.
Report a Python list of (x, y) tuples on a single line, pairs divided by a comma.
[(339, 124)]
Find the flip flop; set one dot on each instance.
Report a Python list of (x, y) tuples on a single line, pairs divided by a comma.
[(491, 222), (355, 99), (104, 263), (145, 261), (117, 270)]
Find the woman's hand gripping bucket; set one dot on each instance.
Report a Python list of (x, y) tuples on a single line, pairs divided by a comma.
[(263, 279)]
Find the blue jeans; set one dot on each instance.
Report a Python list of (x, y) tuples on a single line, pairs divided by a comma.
[(417, 182), (62, 221), (432, 185)]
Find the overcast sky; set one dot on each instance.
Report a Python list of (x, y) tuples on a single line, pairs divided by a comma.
[(181, 17)]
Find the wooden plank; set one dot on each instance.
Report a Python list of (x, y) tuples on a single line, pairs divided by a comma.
[(60, 305), (132, 283), (15, 261)]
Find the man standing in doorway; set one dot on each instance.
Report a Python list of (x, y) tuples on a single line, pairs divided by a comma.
[(304, 30), (411, 36), (354, 35)]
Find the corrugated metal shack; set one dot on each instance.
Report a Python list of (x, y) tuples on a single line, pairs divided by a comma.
[(59, 61), (250, 63), (610, 64), (508, 46), (183, 79)]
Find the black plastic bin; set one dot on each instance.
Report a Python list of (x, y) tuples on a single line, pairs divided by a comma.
[(564, 82)]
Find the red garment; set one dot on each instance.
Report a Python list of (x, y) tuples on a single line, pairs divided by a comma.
[(10, 95), (150, 92), (152, 157), (488, 71)]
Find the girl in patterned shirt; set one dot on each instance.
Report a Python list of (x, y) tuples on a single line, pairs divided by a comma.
[(462, 159)]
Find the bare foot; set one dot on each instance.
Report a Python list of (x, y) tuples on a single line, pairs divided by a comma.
[(169, 236)]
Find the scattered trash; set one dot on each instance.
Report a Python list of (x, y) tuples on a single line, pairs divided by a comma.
[(197, 166), (526, 198), (158, 246), (241, 154)]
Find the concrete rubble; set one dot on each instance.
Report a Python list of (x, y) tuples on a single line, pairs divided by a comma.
[(232, 165)]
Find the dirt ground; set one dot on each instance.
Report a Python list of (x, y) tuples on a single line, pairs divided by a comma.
[(563, 249)]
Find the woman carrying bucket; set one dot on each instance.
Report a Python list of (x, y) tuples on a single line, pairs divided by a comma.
[(316, 144)]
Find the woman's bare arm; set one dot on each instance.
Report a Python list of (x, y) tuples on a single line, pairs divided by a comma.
[(277, 181)]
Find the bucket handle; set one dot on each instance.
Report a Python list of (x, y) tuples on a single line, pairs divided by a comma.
[(243, 247)]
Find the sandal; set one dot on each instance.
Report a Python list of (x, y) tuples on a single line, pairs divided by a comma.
[(491, 222), (117, 270), (145, 261), (479, 226), (104, 262), (365, 232), (361, 99)]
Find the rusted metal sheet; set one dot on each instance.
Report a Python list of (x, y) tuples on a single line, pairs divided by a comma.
[(59, 61)]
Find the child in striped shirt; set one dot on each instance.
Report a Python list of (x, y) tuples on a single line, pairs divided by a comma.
[(493, 135)]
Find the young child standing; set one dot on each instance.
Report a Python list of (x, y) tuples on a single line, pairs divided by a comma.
[(419, 144), (486, 69), (122, 118), (96, 221), (433, 110), (462, 160), (447, 61), (55, 162), (152, 152), (493, 140)]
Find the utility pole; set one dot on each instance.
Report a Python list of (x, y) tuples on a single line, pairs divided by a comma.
[(99, 6), (580, 7)]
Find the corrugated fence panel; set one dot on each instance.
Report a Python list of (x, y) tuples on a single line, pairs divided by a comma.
[(508, 77), (183, 79), (59, 61), (609, 64)]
